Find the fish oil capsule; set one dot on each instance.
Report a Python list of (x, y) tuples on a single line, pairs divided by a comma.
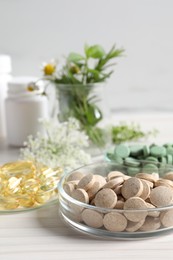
[(11, 203), (18, 169), (26, 201), (42, 196), (13, 186), (49, 184), (24, 184), (30, 186)]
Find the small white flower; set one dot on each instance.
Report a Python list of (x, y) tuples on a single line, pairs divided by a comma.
[(62, 145)]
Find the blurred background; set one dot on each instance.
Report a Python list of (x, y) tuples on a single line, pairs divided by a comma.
[(34, 31)]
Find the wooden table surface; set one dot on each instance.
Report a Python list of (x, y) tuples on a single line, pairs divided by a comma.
[(42, 234)]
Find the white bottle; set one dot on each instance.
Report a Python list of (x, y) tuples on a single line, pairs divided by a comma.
[(5, 70), (23, 110)]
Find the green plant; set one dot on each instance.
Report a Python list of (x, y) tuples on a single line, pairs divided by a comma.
[(123, 132), (74, 83), (91, 67)]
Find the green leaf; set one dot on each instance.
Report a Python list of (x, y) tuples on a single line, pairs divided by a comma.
[(86, 47), (95, 74), (115, 53), (75, 57), (95, 51)]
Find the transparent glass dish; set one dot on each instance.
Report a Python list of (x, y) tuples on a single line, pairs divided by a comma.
[(23, 203), (27, 186), (71, 209)]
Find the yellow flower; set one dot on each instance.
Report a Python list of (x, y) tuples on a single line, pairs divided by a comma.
[(32, 87), (49, 68), (74, 69)]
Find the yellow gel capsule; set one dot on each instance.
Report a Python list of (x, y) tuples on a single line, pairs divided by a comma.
[(48, 184), (11, 203), (18, 169), (48, 172), (30, 186), (13, 185), (26, 201), (52, 172), (42, 197)]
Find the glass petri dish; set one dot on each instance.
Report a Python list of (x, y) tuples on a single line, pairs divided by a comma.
[(72, 211)]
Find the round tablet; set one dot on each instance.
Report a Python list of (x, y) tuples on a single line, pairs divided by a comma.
[(69, 188), (147, 176), (130, 161), (106, 198), (119, 204), (132, 188), (114, 222), (122, 150), (150, 168), (93, 190), (100, 179), (150, 224), (114, 174), (164, 182), (151, 159), (158, 151), (135, 204), (75, 176), (133, 170), (169, 176), (114, 182), (134, 226), (86, 182), (92, 218), (166, 218), (146, 151), (117, 189), (169, 150), (146, 190), (154, 214), (80, 195), (161, 196), (151, 184)]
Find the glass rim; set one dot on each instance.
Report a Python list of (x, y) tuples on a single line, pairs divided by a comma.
[(87, 85)]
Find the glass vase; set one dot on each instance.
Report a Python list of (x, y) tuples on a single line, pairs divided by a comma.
[(84, 102), (87, 104)]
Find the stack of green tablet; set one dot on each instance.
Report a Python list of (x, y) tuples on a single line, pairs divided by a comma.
[(149, 159)]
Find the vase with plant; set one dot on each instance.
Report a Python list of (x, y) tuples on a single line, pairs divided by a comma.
[(76, 82)]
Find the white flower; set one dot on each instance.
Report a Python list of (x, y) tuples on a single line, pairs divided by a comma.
[(61, 145)]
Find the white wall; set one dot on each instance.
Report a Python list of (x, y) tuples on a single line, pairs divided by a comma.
[(33, 31)]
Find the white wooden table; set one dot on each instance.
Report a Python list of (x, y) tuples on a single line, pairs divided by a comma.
[(42, 234)]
